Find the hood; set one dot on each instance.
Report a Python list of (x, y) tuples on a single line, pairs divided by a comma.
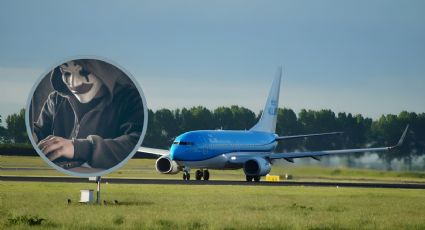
[(110, 75)]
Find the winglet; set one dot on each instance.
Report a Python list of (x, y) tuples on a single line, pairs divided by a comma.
[(400, 142)]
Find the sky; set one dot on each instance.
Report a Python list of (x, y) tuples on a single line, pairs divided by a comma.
[(364, 57)]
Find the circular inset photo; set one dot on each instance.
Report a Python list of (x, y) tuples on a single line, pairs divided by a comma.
[(86, 117)]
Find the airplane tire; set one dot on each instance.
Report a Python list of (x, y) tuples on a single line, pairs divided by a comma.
[(249, 178), (206, 175), (186, 176), (257, 178), (198, 175)]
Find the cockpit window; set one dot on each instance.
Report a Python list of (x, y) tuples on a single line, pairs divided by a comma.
[(186, 143), (182, 143)]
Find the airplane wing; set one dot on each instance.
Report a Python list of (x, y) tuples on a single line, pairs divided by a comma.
[(306, 135), (158, 152), (315, 154)]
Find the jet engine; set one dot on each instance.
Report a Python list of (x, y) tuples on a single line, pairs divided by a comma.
[(167, 166), (257, 166)]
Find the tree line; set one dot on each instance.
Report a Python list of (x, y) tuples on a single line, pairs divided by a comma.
[(164, 125), (15, 131), (358, 131)]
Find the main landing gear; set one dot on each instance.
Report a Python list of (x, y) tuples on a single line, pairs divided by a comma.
[(202, 174), (255, 178)]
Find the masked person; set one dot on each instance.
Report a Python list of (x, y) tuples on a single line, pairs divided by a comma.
[(93, 116)]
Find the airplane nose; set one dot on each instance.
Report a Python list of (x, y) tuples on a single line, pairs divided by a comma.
[(176, 153), (171, 155), (172, 152)]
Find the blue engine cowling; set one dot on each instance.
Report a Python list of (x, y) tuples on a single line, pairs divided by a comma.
[(257, 166), (167, 166)]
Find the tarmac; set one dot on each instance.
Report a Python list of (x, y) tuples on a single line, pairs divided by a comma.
[(214, 182)]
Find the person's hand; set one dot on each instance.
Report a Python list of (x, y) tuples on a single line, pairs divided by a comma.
[(55, 147)]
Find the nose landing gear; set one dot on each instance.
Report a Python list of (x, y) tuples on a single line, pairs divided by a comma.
[(186, 173), (199, 174)]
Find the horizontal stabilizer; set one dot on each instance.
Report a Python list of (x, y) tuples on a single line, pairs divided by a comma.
[(281, 138)]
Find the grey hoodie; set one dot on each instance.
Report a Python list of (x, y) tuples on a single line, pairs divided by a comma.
[(106, 134)]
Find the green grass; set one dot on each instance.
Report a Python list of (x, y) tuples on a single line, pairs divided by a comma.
[(144, 168), (321, 173), (209, 207), (44, 205)]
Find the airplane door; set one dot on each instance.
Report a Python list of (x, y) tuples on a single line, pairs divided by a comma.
[(205, 146)]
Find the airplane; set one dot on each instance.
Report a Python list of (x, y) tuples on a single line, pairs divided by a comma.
[(252, 150)]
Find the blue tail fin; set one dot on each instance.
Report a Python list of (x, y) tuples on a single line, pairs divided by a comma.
[(267, 122)]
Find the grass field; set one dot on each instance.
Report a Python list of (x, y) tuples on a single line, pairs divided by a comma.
[(209, 207), (144, 168), (44, 205)]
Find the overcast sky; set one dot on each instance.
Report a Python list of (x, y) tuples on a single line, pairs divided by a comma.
[(363, 57)]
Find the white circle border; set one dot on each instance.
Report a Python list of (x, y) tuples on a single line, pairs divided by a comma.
[(103, 172)]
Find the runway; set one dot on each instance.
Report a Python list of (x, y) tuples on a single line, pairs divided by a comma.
[(215, 182)]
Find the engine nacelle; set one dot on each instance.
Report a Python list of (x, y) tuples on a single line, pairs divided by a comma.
[(167, 166), (257, 166)]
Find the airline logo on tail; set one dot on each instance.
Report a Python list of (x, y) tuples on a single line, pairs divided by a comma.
[(273, 108)]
